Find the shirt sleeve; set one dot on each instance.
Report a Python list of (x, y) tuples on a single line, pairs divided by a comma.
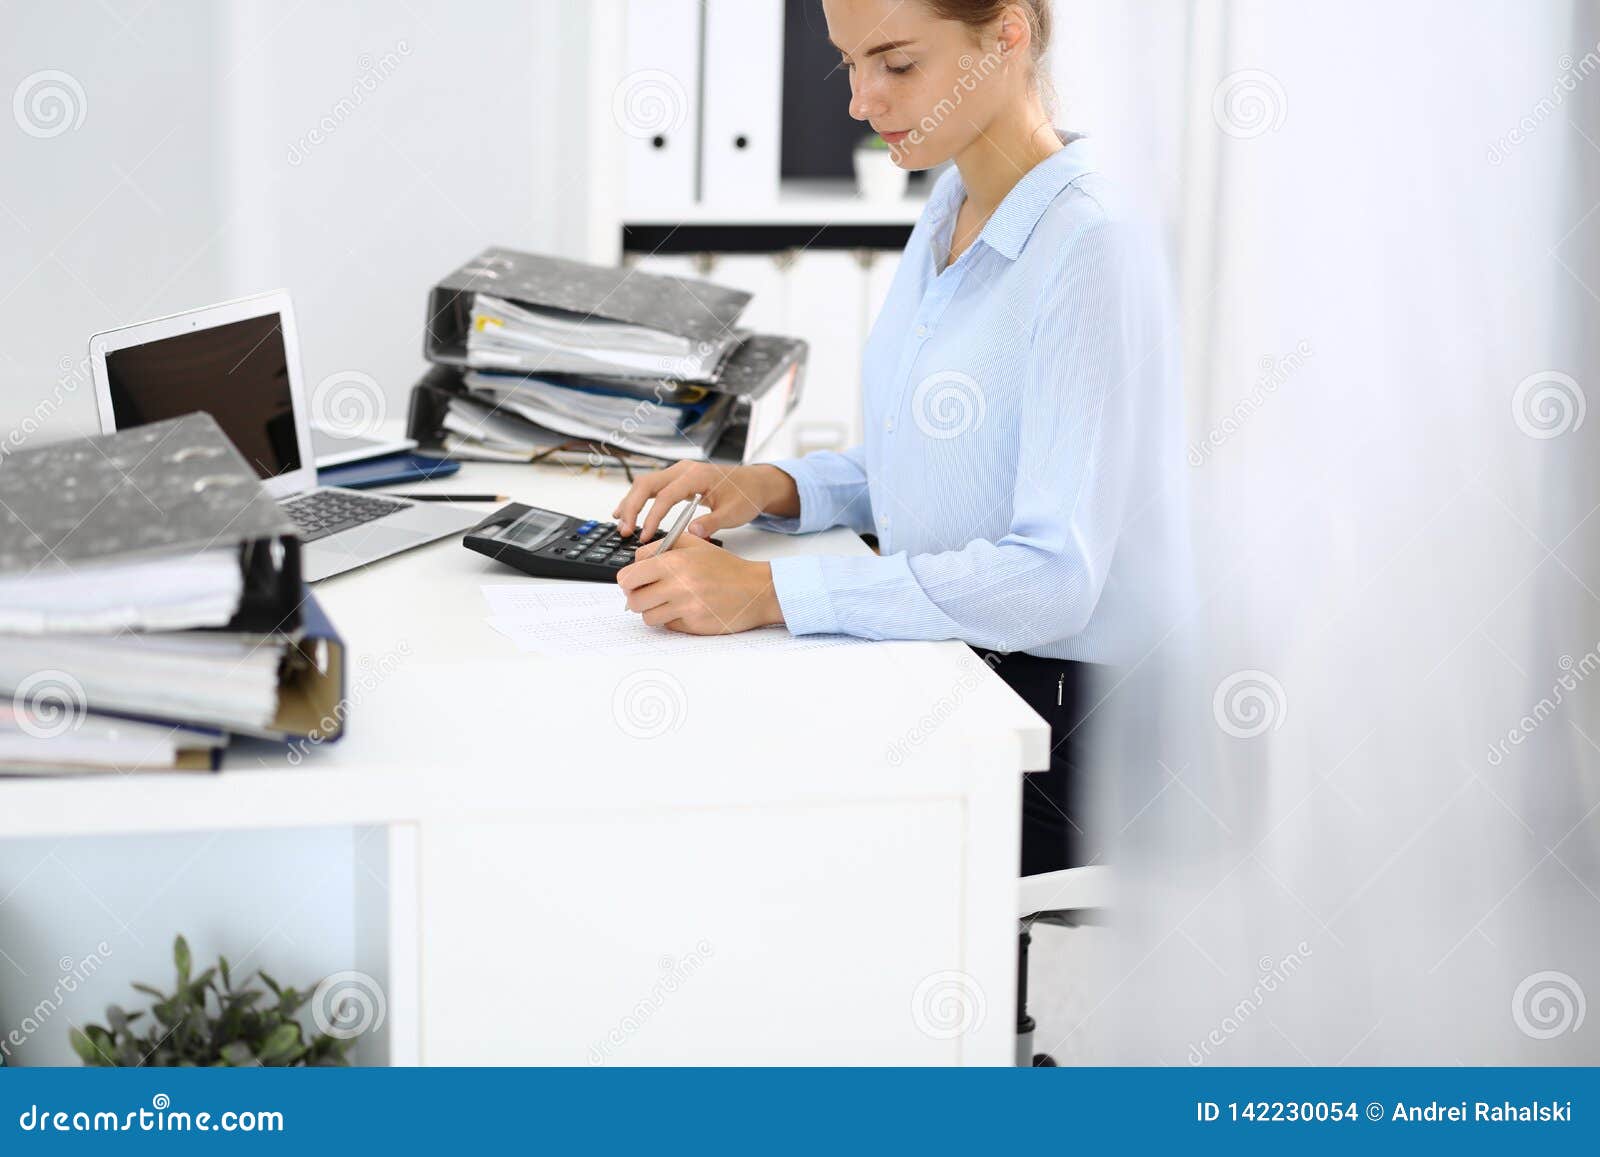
[(833, 492), (1041, 580)]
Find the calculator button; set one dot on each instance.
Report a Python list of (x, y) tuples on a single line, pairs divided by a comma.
[(586, 527), (574, 553), (614, 561)]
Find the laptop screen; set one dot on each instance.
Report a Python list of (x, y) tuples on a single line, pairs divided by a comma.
[(237, 372)]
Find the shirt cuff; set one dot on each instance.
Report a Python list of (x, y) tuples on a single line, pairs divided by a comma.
[(803, 595), (810, 495)]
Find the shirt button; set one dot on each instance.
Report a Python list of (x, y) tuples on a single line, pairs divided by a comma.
[(888, 427), (922, 331)]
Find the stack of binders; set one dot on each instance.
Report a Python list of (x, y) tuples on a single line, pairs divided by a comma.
[(541, 358), (151, 606)]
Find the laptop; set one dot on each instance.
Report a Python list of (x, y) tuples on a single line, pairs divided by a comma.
[(240, 362)]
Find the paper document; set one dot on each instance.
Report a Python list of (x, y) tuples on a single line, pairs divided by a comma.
[(593, 619)]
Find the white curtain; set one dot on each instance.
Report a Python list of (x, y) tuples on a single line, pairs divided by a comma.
[(1359, 822)]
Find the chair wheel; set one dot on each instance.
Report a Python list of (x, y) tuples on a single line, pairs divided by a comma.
[(1043, 1061)]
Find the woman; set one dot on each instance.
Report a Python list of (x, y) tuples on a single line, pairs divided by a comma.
[(1019, 400)]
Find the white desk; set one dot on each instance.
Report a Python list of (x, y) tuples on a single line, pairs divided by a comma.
[(779, 878)]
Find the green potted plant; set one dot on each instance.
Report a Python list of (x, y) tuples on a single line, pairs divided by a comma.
[(878, 176), (207, 1020)]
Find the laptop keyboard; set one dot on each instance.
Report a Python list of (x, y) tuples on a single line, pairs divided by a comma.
[(324, 512)]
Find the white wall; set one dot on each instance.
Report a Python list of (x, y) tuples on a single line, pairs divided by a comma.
[(193, 177), (113, 220), (177, 189)]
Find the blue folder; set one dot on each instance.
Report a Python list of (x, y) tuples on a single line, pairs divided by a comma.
[(386, 471)]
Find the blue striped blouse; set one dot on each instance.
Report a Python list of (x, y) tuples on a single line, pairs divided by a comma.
[(1022, 438)]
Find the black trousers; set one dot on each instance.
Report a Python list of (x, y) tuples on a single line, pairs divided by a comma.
[(1054, 818)]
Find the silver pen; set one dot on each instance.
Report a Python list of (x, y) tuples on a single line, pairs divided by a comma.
[(681, 524)]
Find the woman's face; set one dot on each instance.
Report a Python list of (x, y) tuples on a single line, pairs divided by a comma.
[(926, 85)]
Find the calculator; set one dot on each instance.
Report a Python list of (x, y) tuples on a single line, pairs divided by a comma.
[(548, 544)]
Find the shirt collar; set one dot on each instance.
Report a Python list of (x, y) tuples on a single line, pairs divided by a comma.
[(1013, 221)]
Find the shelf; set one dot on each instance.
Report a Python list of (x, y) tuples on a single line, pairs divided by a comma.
[(813, 202)]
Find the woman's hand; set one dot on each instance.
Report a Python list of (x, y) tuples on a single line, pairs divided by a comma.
[(699, 589), (735, 494)]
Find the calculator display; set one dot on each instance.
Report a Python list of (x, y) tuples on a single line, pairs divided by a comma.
[(532, 529)]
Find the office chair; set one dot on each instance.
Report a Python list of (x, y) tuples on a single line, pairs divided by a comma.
[(1070, 898)]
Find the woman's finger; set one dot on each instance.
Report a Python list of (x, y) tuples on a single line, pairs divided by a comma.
[(662, 505), (660, 616), (647, 598), (639, 574), (643, 488)]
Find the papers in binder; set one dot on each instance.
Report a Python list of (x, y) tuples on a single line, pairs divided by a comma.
[(514, 337)]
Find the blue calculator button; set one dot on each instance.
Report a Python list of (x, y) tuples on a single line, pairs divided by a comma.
[(586, 527)]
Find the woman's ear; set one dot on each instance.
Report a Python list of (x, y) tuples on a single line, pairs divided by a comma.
[(1013, 36)]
